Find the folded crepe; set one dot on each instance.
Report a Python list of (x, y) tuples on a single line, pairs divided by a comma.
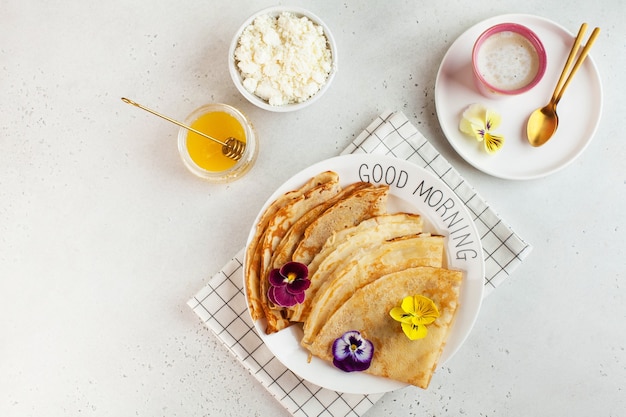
[(252, 268), (363, 204), (276, 229), (367, 311), (286, 247), (295, 226), (344, 244), (364, 267)]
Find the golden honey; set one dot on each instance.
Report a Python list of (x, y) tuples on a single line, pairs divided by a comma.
[(206, 153), (204, 157)]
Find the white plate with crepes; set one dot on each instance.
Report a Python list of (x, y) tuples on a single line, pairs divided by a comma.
[(579, 110), (414, 190)]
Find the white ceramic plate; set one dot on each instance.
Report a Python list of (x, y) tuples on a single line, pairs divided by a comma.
[(579, 110), (412, 189)]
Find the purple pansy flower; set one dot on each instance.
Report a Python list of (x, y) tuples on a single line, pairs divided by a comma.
[(288, 284), (351, 352)]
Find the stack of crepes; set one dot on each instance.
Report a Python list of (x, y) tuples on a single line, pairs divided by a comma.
[(362, 262)]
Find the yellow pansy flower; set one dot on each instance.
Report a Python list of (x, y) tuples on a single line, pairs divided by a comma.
[(479, 123), (414, 314)]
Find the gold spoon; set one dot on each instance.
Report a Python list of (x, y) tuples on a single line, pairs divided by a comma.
[(231, 148), (543, 122)]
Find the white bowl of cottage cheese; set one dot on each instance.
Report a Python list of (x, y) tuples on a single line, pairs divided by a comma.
[(282, 58)]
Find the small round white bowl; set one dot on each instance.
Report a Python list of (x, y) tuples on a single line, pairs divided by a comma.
[(238, 79)]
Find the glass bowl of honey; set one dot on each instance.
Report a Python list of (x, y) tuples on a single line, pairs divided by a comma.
[(204, 157)]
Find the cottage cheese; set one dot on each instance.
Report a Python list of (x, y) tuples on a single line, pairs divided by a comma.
[(284, 59)]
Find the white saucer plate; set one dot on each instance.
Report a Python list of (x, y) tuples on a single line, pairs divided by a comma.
[(412, 189), (579, 110)]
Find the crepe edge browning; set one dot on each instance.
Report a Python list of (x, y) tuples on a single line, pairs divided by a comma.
[(277, 228), (361, 201), (252, 255)]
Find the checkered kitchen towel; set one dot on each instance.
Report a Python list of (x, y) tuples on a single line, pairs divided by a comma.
[(221, 304)]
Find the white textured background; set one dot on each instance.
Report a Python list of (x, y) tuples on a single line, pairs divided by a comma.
[(104, 235)]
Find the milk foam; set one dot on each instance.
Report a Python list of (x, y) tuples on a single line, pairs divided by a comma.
[(508, 61)]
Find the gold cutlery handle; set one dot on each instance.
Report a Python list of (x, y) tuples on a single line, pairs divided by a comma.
[(570, 59), (579, 62)]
